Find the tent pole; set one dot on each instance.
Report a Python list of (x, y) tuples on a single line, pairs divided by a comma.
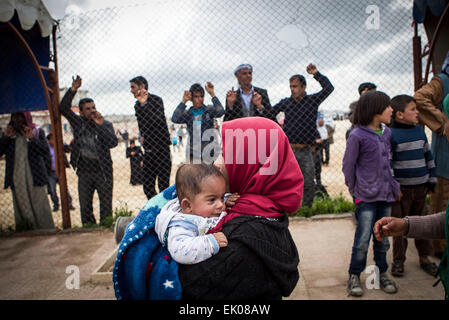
[(42, 80), (432, 44), (417, 62), (66, 223)]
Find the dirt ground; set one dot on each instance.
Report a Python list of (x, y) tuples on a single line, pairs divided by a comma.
[(34, 266)]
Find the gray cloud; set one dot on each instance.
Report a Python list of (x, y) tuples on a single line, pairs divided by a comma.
[(175, 43)]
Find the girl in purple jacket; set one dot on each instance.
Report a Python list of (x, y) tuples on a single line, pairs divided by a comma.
[(368, 175)]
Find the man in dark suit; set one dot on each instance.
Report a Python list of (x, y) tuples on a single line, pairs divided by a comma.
[(247, 101), (155, 137)]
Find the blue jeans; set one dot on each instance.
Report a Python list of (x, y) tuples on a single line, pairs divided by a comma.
[(367, 213)]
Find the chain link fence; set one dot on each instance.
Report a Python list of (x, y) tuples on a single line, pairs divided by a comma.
[(174, 44)]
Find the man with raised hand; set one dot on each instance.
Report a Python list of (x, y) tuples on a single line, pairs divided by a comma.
[(200, 122), (301, 110), (247, 101), (91, 156)]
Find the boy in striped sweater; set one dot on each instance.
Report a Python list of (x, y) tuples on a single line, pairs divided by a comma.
[(414, 169)]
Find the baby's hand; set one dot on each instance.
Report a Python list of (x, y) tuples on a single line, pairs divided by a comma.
[(230, 201), (221, 239)]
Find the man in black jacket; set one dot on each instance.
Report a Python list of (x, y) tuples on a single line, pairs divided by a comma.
[(91, 156), (301, 110), (155, 137), (247, 101)]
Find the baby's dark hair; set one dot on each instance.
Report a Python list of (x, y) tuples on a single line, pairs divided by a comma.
[(189, 177), (370, 104), (399, 102)]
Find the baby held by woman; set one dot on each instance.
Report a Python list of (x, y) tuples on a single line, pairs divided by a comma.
[(184, 222)]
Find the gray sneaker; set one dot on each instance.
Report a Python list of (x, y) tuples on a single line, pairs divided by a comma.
[(386, 284), (354, 287)]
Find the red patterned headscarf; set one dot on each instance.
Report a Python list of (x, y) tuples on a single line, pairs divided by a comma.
[(31, 124), (261, 168)]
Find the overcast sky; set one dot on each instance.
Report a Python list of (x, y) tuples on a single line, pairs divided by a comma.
[(175, 43)]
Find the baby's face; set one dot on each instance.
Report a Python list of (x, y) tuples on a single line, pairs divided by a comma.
[(209, 202)]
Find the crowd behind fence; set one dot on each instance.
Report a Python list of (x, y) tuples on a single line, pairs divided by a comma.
[(174, 44)]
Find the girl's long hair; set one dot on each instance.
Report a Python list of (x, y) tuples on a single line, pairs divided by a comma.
[(370, 104)]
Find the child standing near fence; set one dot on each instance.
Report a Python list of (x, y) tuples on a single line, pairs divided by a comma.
[(414, 169), (367, 171)]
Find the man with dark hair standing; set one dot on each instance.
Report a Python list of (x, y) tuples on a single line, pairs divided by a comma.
[(91, 156), (155, 137), (301, 112), (247, 101)]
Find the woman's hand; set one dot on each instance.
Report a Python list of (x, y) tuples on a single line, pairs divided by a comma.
[(27, 132), (230, 201), (389, 226), (221, 239), (9, 132)]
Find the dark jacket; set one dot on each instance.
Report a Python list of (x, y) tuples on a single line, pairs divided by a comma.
[(300, 116), (260, 262), (180, 115), (104, 135), (37, 154), (153, 124), (237, 109)]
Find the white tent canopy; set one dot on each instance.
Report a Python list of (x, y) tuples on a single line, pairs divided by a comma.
[(28, 12)]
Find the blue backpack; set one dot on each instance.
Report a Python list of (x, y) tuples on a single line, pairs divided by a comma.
[(143, 268)]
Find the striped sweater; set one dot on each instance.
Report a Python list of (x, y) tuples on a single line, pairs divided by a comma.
[(412, 160)]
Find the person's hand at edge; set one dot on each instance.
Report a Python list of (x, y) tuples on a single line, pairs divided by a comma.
[(389, 227)]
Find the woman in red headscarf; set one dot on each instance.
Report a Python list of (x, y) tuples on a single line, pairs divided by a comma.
[(261, 259), (26, 172)]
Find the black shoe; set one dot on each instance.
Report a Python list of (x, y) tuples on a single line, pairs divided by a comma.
[(430, 268), (55, 209), (397, 270), (71, 207)]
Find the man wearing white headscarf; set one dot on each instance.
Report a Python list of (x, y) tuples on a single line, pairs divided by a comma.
[(247, 100)]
